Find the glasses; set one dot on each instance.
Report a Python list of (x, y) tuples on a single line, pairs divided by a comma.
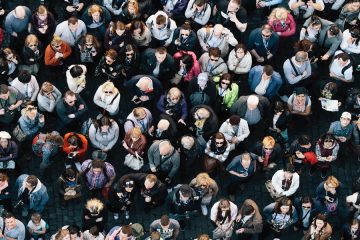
[(33, 45), (304, 207), (108, 92), (225, 83), (266, 36), (31, 108), (219, 143), (214, 59), (88, 44), (268, 148), (129, 54), (58, 46)]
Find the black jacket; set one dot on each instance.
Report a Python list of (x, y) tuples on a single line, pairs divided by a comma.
[(148, 64), (211, 124), (112, 71), (187, 44), (209, 90)]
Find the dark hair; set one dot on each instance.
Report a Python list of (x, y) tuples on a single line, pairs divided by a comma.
[(74, 140), (160, 19), (322, 217), (69, 173), (186, 26), (300, 90), (4, 89), (216, 52), (76, 71), (306, 199), (96, 163), (304, 139), (344, 56), (94, 231), (24, 76), (185, 190), (355, 33), (137, 24), (247, 209), (267, 27), (188, 60), (164, 220), (283, 202), (327, 137), (218, 135), (242, 46), (72, 19), (32, 180), (334, 29), (74, 229), (103, 121), (279, 106), (289, 168), (303, 45), (268, 69), (9, 215), (315, 21)]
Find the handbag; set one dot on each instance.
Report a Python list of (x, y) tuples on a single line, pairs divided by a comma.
[(19, 134), (219, 233), (270, 188), (71, 196), (134, 162)]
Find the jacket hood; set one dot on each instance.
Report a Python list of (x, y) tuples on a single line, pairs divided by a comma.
[(37, 188), (161, 13)]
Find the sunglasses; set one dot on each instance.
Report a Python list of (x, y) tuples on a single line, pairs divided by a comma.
[(129, 54), (33, 45), (225, 83), (214, 59), (184, 34), (266, 36), (58, 46), (88, 44), (306, 207), (108, 92), (218, 143), (268, 148)]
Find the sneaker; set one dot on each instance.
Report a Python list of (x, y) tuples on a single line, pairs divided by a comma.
[(116, 216), (127, 215), (204, 209)]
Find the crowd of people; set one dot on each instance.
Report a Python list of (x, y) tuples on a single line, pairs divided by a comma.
[(198, 99)]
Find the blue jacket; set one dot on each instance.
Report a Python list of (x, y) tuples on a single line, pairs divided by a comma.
[(255, 78), (256, 42), (38, 198)]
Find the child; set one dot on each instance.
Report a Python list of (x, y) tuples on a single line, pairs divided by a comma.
[(37, 227), (93, 234)]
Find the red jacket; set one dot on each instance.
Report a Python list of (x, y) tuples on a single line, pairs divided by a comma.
[(50, 59), (288, 29), (81, 151), (195, 70)]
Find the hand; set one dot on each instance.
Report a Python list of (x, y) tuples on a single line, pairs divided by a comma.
[(261, 4), (125, 145), (150, 131), (177, 42), (234, 140), (329, 158), (110, 42), (114, 74), (278, 33), (232, 16), (144, 98), (349, 40), (299, 154), (103, 70), (153, 169), (12, 107), (260, 159), (31, 59), (105, 149), (42, 118), (71, 115), (332, 74), (121, 44), (181, 121), (240, 231), (304, 74), (147, 199), (301, 3), (14, 34), (2, 12), (238, 218), (87, 217), (325, 57), (260, 59), (2, 111), (342, 139), (81, 107)]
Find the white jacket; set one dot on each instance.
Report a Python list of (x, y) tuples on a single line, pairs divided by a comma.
[(108, 102), (161, 34), (100, 140), (239, 67), (277, 179), (30, 90), (204, 15), (228, 131), (72, 82), (233, 211)]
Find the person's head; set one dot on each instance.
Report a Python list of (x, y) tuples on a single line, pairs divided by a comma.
[(97, 166), (214, 54), (155, 235), (9, 54), (54, 138), (289, 170), (203, 180), (19, 12), (315, 23), (320, 221), (248, 210), (74, 141), (70, 174), (90, 41), (56, 43), (219, 140), (279, 13), (128, 185), (187, 142), (160, 54), (240, 50), (36, 218), (354, 225), (4, 139), (226, 81), (126, 232), (303, 45), (174, 95), (301, 57), (268, 143), (186, 61), (185, 30), (284, 206), (333, 30), (354, 5), (109, 89), (332, 183), (3, 178), (32, 42), (161, 21), (306, 202), (4, 92), (304, 141), (279, 107), (345, 119), (218, 30), (300, 94), (110, 56), (117, 28), (31, 110), (74, 231), (343, 59), (94, 231), (150, 181), (62, 234), (252, 102), (224, 205), (31, 182), (145, 84), (163, 125), (133, 7), (70, 98), (46, 89), (137, 27), (203, 237), (95, 206), (245, 160), (328, 140), (234, 120), (165, 148), (266, 31), (185, 192), (76, 71), (202, 113), (139, 113), (73, 23), (95, 12), (130, 51), (10, 221), (234, 6), (24, 76), (42, 12), (268, 71), (202, 79), (200, 5), (355, 34), (135, 134)]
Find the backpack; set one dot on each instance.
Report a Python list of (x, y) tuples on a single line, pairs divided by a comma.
[(86, 126), (199, 98)]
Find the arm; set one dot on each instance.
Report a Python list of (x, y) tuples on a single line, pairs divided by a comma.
[(244, 128), (115, 105), (275, 180), (337, 4), (97, 98), (175, 165), (36, 89), (289, 74), (293, 186), (82, 111), (116, 135)]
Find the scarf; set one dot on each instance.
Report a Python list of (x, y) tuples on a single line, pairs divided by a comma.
[(41, 23)]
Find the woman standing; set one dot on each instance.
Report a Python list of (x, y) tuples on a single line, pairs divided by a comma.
[(48, 97), (69, 186), (31, 121), (32, 54), (223, 214), (43, 24), (107, 98), (140, 33), (88, 50), (104, 133), (327, 149), (320, 229), (8, 151), (75, 78)]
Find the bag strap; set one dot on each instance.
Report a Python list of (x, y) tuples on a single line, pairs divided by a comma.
[(162, 162), (114, 98), (130, 120), (346, 68), (293, 66)]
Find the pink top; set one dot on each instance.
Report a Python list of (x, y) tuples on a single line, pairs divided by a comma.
[(287, 29), (195, 70)]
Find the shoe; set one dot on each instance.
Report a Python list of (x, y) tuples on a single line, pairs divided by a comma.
[(323, 175), (127, 215), (116, 216), (232, 197), (204, 209)]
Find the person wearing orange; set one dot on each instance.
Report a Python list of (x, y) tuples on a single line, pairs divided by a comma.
[(57, 52), (75, 146)]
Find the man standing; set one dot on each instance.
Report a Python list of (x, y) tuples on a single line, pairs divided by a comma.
[(10, 101), (264, 81), (71, 30), (13, 228)]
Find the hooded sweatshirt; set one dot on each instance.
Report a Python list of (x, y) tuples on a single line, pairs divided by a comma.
[(165, 34)]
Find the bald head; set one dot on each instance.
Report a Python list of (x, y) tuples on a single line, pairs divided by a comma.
[(218, 29), (165, 148), (163, 124), (20, 12)]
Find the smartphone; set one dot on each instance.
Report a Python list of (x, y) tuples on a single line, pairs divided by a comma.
[(330, 199)]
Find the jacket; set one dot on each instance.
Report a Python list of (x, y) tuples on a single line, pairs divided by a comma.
[(171, 233), (300, 211), (100, 140), (132, 122), (176, 207), (106, 71), (64, 32), (27, 54), (231, 94), (135, 147), (349, 48), (287, 30), (269, 214), (50, 59), (12, 149), (211, 190), (239, 66), (169, 164), (63, 110), (275, 155), (277, 182), (256, 43), (200, 18), (62, 185), (254, 79), (38, 197), (179, 7), (81, 150), (219, 67), (228, 131), (179, 110), (195, 70), (227, 38), (240, 107), (292, 74), (110, 103), (170, 133), (209, 90), (329, 44), (324, 234), (28, 126), (50, 23), (165, 34), (148, 64), (211, 124), (254, 224), (45, 104), (236, 166), (130, 68), (30, 90)]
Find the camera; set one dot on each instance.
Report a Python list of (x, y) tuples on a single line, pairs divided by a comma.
[(71, 155)]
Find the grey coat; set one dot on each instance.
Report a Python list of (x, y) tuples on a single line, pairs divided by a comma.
[(169, 164)]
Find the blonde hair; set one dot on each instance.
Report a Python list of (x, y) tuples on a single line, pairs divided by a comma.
[(268, 141), (139, 111), (94, 205), (111, 85), (61, 234), (136, 132), (203, 179), (134, 4), (278, 13), (94, 8), (174, 92), (31, 38), (56, 40), (46, 87), (333, 181)]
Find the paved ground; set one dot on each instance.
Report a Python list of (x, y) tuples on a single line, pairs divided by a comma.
[(57, 216)]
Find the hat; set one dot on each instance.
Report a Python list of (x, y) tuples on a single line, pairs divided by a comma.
[(234, 120), (202, 79), (5, 135), (346, 115), (98, 154)]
